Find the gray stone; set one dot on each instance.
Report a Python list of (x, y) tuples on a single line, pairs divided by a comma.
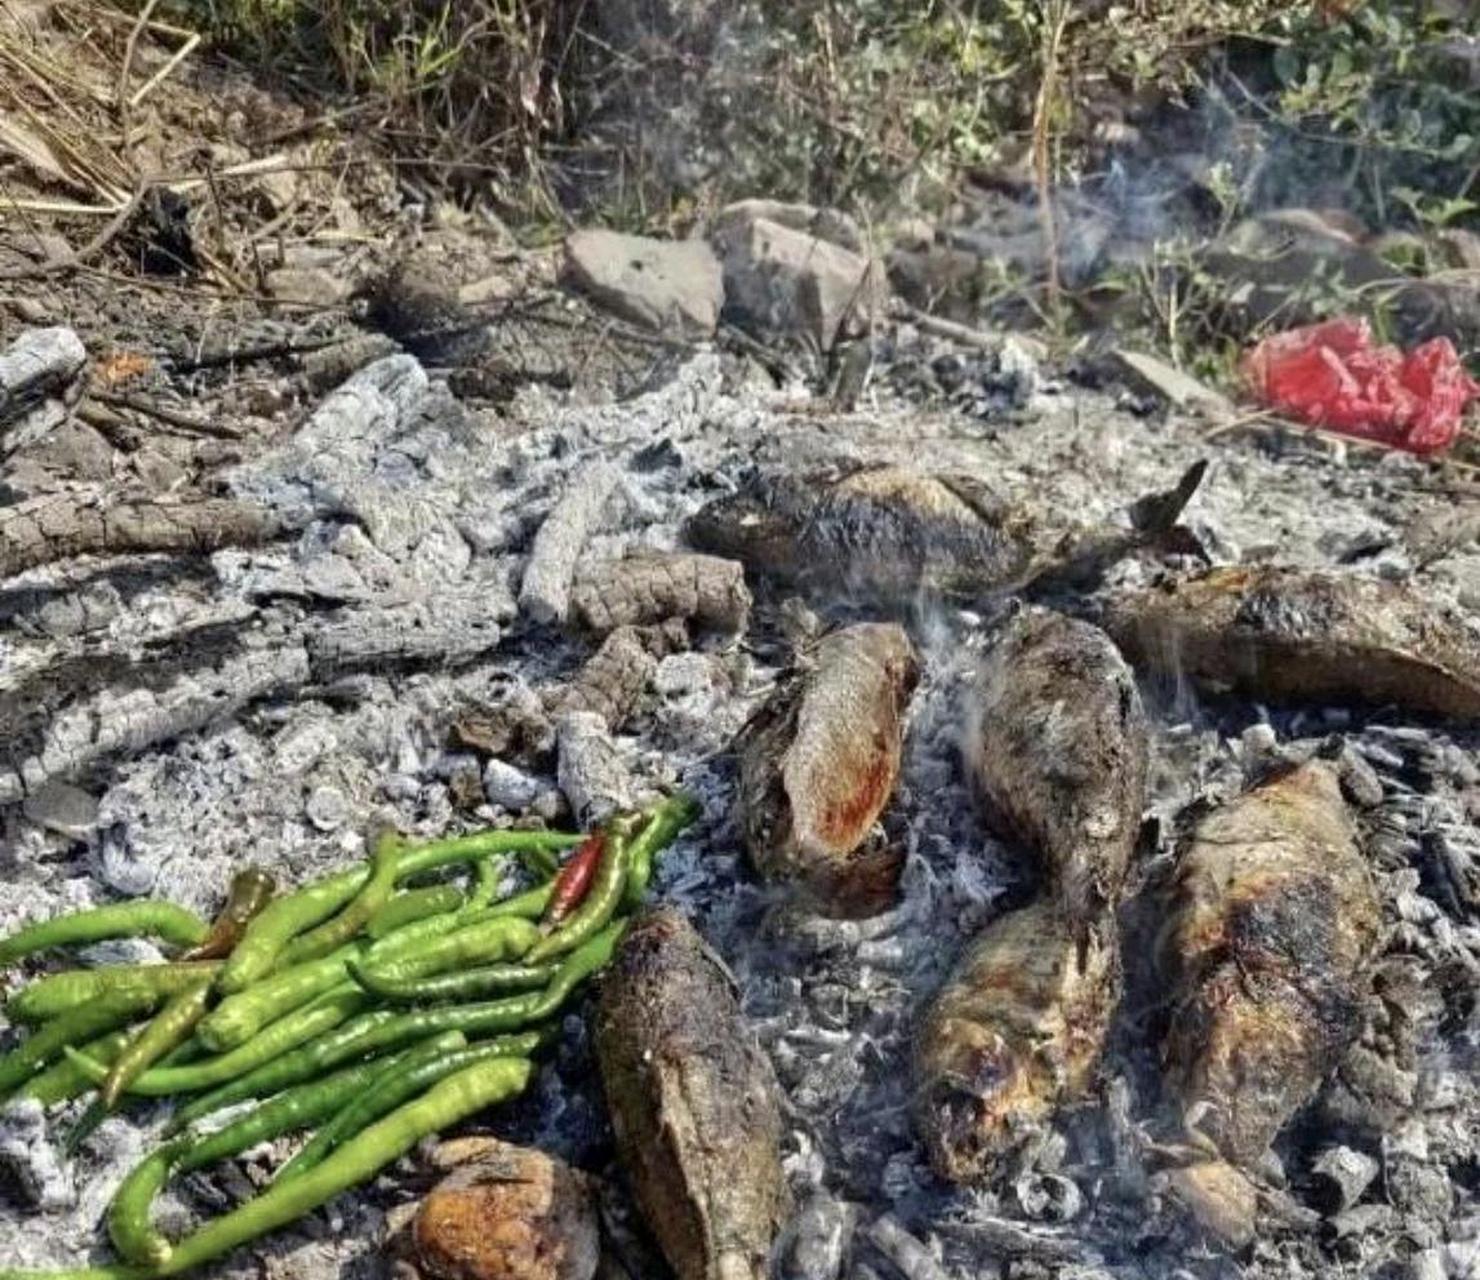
[(788, 283), (672, 286), (826, 224), (326, 808), (63, 808)]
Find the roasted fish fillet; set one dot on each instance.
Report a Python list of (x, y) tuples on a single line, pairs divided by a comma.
[(1057, 743), (1016, 1031), (891, 534), (1296, 635), (819, 762), (693, 1102), (1272, 921)]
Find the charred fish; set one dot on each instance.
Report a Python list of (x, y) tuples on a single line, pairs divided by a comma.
[(1015, 1031), (892, 534), (693, 1103), (819, 762), (1273, 919), (1302, 636), (1057, 744)]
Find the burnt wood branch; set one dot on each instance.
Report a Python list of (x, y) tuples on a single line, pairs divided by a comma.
[(693, 1101), (614, 678), (653, 587), (38, 369), (56, 527), (544, 595)]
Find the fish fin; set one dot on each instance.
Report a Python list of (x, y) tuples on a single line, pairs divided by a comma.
[(1157, 512)]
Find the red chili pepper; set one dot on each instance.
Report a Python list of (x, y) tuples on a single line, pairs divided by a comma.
[(573, 882)]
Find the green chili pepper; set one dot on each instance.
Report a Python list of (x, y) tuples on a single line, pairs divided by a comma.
[(414, 905), (129, 1225), (301, 1107), (170, 1028), (329, 1010), (384, 864), (286, 918), (448, 1103), (251, 890), (666, 821), (119, 920), (413, 1075), (540, 863), (461, 984), (55, 995), (601, 901), (63, 1080), (110, 1010), (238, 1018), (502, 938)]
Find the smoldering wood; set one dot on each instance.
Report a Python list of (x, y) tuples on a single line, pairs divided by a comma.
[(545, 592), (60, 526), (446, 630), (127, 722), (589, 769), (37, 365), (653, 587), (614, 678)]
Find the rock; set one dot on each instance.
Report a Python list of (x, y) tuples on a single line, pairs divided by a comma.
[(938, 278), (782, 281), (1178, 389), (326, 808), (504, 1213), (306, 284), (509, 787), (63, 808), (831, 225), (1218, 1197), (672, 286)]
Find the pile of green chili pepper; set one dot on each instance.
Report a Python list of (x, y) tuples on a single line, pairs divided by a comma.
[(370, 1014)]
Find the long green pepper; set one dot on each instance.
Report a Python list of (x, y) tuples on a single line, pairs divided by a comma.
[(416, 1070), (109, 1011), (328, 1011), (169, 1029), (461, 984), (153, 919), (238, 1018), (129, 1224), (666, 821), (502, 938), (413, 905), (251, 890), (384, 865), (64, 1080), (52, 996)]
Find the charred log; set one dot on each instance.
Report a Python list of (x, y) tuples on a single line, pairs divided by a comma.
[(652, 588)]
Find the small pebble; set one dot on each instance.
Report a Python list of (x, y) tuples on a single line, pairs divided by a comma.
[(509, 787), (326, 808)]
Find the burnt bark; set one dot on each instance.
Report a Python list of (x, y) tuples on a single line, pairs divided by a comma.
[(654, 587), (616, 675), (59, 527), (545, 592)]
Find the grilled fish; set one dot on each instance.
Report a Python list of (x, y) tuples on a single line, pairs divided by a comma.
[(1272, 920), (890, 534), (1295, 635), (1057, 743), (693, 1102), (819, 762), (1016, 1030)]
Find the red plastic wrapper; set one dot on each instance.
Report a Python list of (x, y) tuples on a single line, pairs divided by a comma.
[(1330, 375)]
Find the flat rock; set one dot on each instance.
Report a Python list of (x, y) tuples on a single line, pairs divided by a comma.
[(785, 282), (671, 286), (63, 808), (1180, 390), (826, 224)]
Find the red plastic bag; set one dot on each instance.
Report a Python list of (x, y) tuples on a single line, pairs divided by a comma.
[(1330, 375)]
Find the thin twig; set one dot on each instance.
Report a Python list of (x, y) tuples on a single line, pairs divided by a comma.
[(176, 58), (126, 71), (172, 417), (91, 249)]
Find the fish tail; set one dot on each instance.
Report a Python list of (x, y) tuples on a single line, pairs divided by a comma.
[(1155, 513)]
